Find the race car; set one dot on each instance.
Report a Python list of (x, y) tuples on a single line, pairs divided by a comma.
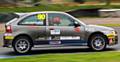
[(55, 29)]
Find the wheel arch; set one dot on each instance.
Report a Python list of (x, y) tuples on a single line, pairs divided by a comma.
[(94, 33), (24, 35)]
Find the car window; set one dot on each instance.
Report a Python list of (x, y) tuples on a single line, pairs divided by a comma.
[(38, 19), (6, 17), (56, 19)]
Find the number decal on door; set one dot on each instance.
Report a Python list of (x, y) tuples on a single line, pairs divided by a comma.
[(41, 17)]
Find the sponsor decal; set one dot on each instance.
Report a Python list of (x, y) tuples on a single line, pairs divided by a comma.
[(9, 37), (55, 32), (41, 17), (77, 29), (55, 42), (64, 38), (70, 38)]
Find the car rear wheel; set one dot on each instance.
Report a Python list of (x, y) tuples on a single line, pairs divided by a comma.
[(22, 45), (97, 42)]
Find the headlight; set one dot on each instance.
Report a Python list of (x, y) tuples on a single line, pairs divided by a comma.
[(111, 33), (114, 33)]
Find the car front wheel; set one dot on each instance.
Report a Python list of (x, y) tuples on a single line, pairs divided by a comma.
[(97, 42), (22, 45)]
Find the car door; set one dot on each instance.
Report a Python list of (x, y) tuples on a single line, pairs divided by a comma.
[(35, 26), (61, 29)]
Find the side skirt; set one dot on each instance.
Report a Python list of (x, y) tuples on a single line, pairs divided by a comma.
[(60, 43)]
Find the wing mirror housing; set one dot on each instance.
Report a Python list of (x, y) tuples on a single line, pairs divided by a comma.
[(76, 24)]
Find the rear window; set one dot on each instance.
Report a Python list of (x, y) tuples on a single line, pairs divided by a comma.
[(6, 17)]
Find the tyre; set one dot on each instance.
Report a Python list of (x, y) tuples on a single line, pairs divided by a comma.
[(22, 45), (97, 42)]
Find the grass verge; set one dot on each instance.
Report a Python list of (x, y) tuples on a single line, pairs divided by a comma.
[(49, 7), (55, 7), (77, 57)]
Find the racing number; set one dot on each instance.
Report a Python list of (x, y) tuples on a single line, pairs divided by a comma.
[(41, 17)]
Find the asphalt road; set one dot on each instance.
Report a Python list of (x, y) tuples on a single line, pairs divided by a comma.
[(8, 52)]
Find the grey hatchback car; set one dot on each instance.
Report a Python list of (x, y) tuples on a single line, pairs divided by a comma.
[(55, 29)]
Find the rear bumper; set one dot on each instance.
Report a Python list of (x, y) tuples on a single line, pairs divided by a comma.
[(7, 42)]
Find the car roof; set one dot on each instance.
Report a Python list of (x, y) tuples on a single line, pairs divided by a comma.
[(46, 12), (31, 13), (21, 14)]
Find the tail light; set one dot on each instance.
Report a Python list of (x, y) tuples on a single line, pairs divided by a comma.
[(8, 29)]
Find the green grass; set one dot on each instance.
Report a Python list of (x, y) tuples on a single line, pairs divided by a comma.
[(77, 57), (54, 7), (110, 25)]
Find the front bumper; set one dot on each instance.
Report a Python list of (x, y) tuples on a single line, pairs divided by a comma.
[(112, 39)]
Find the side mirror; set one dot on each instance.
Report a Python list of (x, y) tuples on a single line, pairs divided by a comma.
[(76, 24)]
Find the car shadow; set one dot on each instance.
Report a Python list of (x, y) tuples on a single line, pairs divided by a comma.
[(53, 51)]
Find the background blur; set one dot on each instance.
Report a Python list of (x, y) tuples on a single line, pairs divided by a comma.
[(67, 2), (77, 8), (29, 2)]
